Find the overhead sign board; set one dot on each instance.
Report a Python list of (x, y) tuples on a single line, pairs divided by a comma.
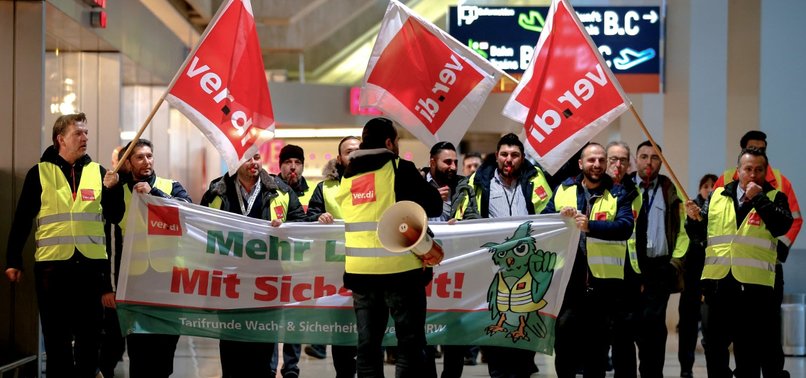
[(629, 38)]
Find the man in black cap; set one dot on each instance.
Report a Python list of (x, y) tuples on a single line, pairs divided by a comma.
[(292, 163), (384, 283)]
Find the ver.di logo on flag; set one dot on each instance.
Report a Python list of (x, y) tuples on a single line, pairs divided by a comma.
[(164, 220), (440, 73)]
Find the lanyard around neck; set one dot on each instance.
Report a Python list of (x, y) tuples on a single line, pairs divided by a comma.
[(251, 201)]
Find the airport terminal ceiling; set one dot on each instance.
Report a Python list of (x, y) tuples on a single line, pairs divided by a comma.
[(329, 39)]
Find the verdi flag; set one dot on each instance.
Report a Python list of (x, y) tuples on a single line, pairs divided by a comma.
[(567, 94), (222, 88), (192, 270), (424, 79)]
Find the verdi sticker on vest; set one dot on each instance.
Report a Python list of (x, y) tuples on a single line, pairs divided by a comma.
[(601, 216), (164, 220), (363, 189), (541, 192), (754, 219), (279, 212), (87, 195)]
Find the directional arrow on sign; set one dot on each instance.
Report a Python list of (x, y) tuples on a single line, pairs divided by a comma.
[(652, 17)]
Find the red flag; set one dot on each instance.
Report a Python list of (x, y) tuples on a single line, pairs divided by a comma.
[(424, 79), (222, 88), (568, 94)]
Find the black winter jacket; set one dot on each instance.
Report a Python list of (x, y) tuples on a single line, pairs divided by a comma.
[(271, 186)]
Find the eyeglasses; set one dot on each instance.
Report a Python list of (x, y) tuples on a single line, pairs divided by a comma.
[(614, 159)]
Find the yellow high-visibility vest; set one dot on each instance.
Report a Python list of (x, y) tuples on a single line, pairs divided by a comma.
[(66, 224), (749, 251), (605, 257), (305, 198), (160, 183), (330, 189), (278, 206), (363, 199), (540, 196), (681, 244)]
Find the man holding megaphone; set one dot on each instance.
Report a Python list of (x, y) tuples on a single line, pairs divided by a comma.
[(384, 282)]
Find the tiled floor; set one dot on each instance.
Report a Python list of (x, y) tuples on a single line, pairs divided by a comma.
[(198, 357)]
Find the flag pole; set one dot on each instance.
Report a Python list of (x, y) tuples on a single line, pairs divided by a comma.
[(171, 85), (662, 158), (508, 76)]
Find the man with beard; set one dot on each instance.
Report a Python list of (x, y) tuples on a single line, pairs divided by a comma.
[(324, 209), (602, 213), (150, 355), (659, 245), (69, 195), (257, 194), (292, 164), (509, 187), (453, 189)]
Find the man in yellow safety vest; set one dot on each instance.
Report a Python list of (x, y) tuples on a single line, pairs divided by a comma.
[(741, 223), (601, 211), (68, 194), (384, 282)]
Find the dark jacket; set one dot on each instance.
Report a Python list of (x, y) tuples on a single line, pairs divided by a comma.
[(300, 189), (485, 174), (178, 192), (667, 271), (775, 214), (671, 218), (316, 206), (30, 202), (270, 188), (618, 229), (460, 189), (114, 235), (409, 185)]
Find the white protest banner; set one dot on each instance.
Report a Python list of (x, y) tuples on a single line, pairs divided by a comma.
[(191, 270)]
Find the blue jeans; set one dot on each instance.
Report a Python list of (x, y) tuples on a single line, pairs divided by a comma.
[(406, 304)]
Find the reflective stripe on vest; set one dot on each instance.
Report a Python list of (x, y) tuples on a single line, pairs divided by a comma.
[(66, 217), (749, 251), (66, 224), (330, 188), (631, 251), (605, 257), (363, 199), (165, 185)]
